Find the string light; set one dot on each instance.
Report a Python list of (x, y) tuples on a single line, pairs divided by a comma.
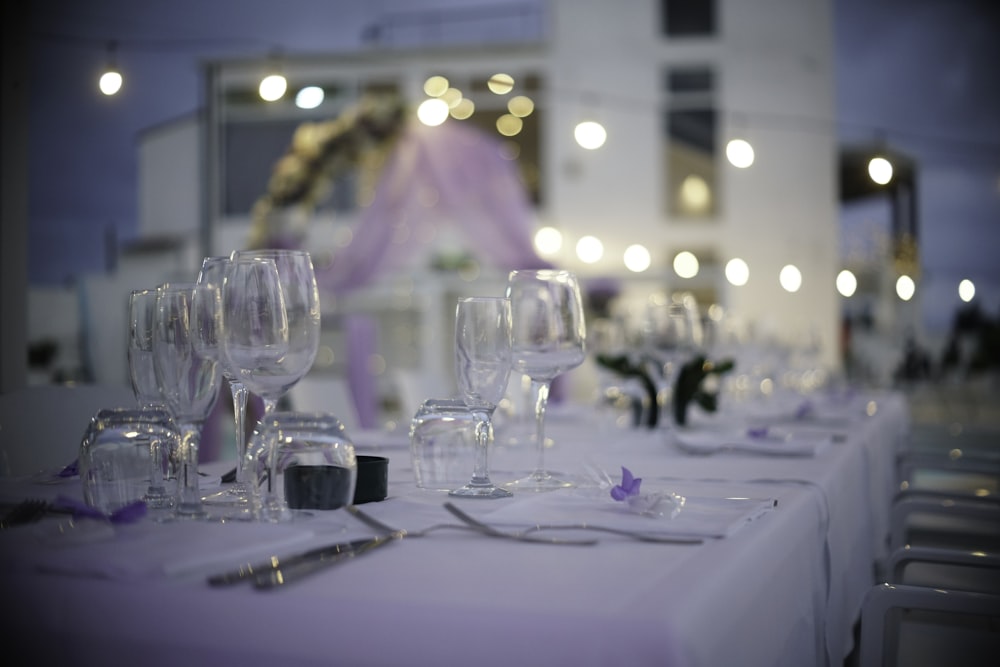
[(111, 80)]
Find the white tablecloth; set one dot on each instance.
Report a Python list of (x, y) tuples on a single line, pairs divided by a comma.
[(783, 589)]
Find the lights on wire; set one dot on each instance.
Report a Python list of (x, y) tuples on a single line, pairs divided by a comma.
[(637, 258), (548, 241), (111, 79), (790, 278), (590, 135), (739, 152), (905, 287), (686, 264), (433, 112), (589, 249), (966, 290), (309, 97), (880, 170), (847, 283), (272, 87), (737, 272)]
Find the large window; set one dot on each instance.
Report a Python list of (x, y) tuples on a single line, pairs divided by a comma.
[(690, 123), (687, 18)]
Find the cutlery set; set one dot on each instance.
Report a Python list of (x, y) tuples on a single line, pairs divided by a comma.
[(280, 571)]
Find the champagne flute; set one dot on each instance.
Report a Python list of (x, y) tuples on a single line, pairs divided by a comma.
[(142, 376), (548, 339), (482, 364), (185, 359), (271, 320), (213, 272)]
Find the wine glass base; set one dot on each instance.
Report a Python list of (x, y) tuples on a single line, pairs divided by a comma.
[(539, 481), (475, 491)]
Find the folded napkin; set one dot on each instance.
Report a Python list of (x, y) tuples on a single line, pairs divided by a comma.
[(152, 550), (706, 517), (759, 440)]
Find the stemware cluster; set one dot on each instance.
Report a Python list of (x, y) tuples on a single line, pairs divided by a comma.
[(536, 329), (253, 319)]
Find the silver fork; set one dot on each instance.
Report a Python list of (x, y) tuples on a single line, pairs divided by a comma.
[(526, 533), (470, 524)]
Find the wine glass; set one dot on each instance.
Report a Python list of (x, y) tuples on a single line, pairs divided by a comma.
[(188, 372), (482, 364), (271, 320), (213, 272), (142, 375), (548, 339), (669, 343)]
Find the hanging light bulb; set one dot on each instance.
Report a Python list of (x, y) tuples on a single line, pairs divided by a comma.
[(272, 87), (111, 79), (880, 170)]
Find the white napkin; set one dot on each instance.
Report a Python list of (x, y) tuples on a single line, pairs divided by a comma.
[(152, 550), (770, 442), (698, 517)]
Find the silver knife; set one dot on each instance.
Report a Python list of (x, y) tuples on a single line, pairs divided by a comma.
[(301, 568), (248, 570)]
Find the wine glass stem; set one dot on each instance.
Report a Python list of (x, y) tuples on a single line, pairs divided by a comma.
[(156, 446), (540, 391), (484, 431), (239, 392), (189, 500)]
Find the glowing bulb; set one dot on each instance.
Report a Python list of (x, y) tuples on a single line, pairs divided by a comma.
[(737, 272), (880, 170), (509, 125), (905, 287), (309, 97), (790, 278), (740, 153), (548, 240), (111, 82), (590, 135), (637, 258), (433, 112), (589, 249), (966, 290), (686, 264), (695, 192), (272, 87), (520, 106), (463, 109), (847, 284)]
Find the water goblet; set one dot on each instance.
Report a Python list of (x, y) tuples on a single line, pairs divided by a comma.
[(142, 376), (188, 372), (548, 339), (271, 320), (213, 272), (669, 343), (482, 366)]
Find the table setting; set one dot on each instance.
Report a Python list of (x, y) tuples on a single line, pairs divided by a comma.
[(589, 542)]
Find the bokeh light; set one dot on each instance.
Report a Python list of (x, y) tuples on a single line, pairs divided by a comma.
[(737, 272), (463, 109), (905, 287), (590, 135), (500, 83), (520, 106), (309, 97), (966, 290), (509, 125), (589, 249), (847, 283), (739, 152), (435, 86), (880, 170), (272, 87), (790, 278), (686, 264), (110, 82), (637, 258), (433, 112), (548, 241)]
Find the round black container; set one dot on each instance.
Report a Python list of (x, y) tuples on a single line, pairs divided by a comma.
[(373, 479)]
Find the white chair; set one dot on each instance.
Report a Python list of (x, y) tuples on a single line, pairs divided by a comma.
[(41, 426)]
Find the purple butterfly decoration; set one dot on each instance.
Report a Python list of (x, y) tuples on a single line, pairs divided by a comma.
[(127, 514), (628, 487), (804, 410), (757, 432)]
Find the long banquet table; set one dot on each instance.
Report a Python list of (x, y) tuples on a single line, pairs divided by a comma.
[(784, 588)]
